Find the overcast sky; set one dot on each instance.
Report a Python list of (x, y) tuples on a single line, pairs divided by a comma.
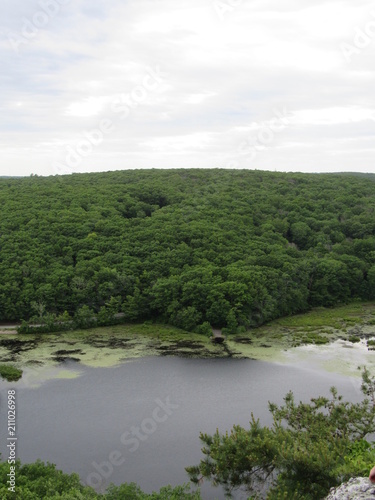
[(96, 85)]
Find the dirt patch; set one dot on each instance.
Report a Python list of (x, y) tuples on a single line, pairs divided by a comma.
[(62, 359), (242, 340), (16, 346), (118, 343), (186, 344), (218, 340), (63, 352), (111, 343), (184, 349)]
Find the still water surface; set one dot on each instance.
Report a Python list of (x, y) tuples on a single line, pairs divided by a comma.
[(145, 415)]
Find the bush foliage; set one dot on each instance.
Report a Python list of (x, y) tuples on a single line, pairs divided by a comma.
[(309, 448), (41, 481), (10, 373)]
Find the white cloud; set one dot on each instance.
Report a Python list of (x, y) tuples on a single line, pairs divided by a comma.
[(222, 79), (198, 98), (333, 116), (90, 106)]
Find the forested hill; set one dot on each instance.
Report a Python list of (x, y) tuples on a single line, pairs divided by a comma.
[(186, 246), (360, 174)]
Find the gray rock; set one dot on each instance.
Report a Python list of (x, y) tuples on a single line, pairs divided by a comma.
[(357, 488)]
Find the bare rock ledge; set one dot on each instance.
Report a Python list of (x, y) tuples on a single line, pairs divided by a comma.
[(357, 488)]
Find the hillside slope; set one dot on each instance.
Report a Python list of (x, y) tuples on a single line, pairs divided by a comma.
[(186, 246)]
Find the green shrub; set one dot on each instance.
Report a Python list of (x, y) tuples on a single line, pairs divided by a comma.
[(10, 373), (309, 448), (360, 458), (353, 339), (204, 329), (38, 480)]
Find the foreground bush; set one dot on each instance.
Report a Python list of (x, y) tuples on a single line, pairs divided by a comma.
[(309, 448), (40, 481)]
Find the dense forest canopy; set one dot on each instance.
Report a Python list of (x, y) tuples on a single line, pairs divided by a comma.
[(233, 248)]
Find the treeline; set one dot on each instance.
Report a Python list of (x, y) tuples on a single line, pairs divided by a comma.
[(188, 247)]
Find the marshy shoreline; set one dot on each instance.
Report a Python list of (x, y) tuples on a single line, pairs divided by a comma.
[(286, 340)]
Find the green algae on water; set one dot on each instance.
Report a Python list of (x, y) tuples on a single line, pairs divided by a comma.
[(280, 341)]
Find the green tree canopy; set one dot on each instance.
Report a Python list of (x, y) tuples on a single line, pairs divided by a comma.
[(185, 246), (309, 448)]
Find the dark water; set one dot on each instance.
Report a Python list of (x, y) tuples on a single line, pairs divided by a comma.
[(145, 416)]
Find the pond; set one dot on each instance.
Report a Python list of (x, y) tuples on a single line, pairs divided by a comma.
[(140, 420)]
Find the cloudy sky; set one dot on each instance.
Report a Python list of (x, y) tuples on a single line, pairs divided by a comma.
[(96, 85)]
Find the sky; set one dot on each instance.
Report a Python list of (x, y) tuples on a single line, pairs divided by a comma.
[(98, 85)]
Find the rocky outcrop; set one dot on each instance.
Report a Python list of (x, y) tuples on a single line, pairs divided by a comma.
[(357, 488)]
